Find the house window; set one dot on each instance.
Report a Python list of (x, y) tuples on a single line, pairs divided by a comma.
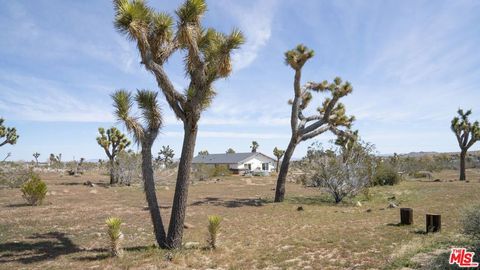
[(247, 166), (264, 166)]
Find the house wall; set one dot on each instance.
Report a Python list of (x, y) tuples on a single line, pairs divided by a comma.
[(256, 162)]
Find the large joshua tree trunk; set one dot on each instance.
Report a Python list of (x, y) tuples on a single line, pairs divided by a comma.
[(175, 228), (463, 155), (112, 172), (151, 196), (282, 175)]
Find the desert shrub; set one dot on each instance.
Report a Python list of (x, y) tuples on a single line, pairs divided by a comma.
[(213, 230), (128, 168), (422, 174), (115, 235), (221, 170), (14, 176), (341, 171), (34, 190), (385, 174), (471, 222), (202, 172)]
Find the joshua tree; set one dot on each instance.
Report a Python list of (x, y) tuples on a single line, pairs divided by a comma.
[(113, 142), (278, 154), (166, 155), (53, 159), (214, 223), (203, 153), (230, 151), (207, 58), (10, 134), (347, 143), (9, 154), (254, 146), (36, 155), (329, 117), (467, 134), (144, 136)]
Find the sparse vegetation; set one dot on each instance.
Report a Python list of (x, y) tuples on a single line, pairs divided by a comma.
[(230, 151), (471, 222), (254, 146), (115, 235), (278, 153), (386, 174), (34, 190)]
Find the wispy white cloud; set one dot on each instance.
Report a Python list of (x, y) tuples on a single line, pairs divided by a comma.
[(256, 23)]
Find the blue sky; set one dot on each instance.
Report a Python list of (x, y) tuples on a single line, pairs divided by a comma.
[(412, 65)]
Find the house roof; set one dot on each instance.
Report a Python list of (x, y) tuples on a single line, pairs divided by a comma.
[(226, 158)]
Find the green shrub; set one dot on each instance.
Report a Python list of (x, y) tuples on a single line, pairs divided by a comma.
[(221, 170), (34, 190), (213, 230), (386, 175), (471, 222), (422, 174)]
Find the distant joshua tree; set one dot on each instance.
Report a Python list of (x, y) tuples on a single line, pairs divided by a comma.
[(203, 153), (254, 146), (9, 133), (230, 151), (467, 134), (278, 154), (207, 58), (113, 142), (36, 155), (330, 117), (166, 155)]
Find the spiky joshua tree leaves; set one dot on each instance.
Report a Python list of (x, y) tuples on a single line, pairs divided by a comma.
[(214, 223), (166, 155), (113, 141), (278, 153), (115, 235), (254, 146), (7, 134), (144, 135), (330, 115), (207, 58), (467, 134)]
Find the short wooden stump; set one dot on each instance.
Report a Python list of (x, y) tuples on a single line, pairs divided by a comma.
[(406, 216), (434, 223)]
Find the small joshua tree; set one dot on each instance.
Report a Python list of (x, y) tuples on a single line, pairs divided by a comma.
[(213, 230), (115, 235), (113, 141), (230, 151), (331, 116), (278, 154), (166, 155), (34, 190), (254, 146), (9, 133), (144, 135), (467, 134), (36, 155)]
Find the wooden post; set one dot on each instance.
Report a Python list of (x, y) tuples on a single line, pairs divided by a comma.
[(406, 216), (434, 223)]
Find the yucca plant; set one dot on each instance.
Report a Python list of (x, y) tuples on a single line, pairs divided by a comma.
[(113, 141), (115, 234), (34, 190), (213, 230)]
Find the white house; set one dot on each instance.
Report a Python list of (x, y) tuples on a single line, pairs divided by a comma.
[(238, 162)]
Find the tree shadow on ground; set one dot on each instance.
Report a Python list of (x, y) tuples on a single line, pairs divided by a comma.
[(234, 203), (103, 253), (18, 205), (38, 247)]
